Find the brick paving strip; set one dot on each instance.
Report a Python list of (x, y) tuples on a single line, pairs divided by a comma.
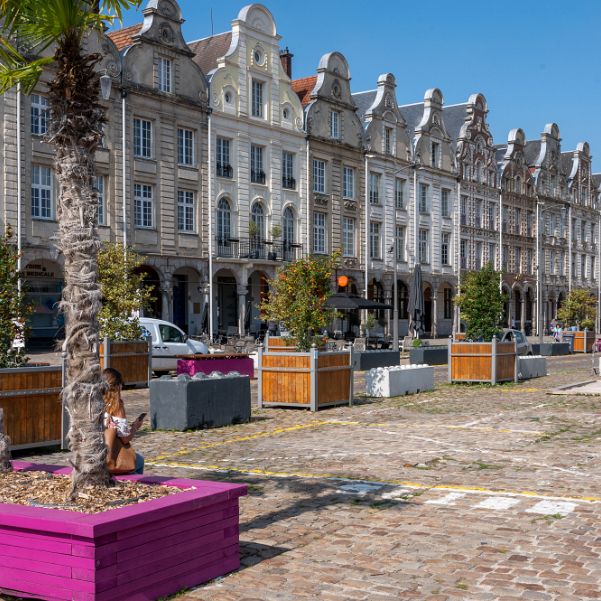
[(466, 492)]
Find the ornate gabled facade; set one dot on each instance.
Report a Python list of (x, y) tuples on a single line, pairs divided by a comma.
[(258, 164)]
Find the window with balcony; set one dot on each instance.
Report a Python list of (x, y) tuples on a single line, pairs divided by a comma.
[(42, 192), (257, 98), (222, 157), (445, 204), (374, 188), (399, 193), (288, 233), (375, 240), (423, 198), (445, 248), (257, 175), (165, 76), (224, 222), (348, 237), (319, 176), (143, 138), (185, 147), (319, 233), (99, 186), (348, 183), (288, 180), (40, 114), (257, 220), (143, 206), (424, 246), (400, 233)]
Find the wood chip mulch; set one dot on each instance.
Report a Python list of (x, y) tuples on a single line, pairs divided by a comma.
[(42, 489)]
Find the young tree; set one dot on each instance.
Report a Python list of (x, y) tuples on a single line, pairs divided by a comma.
[(123, 293), (481, 303), (579, 309), (298, 296), (75, 130)]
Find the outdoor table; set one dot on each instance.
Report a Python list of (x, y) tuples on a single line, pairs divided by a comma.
[(223, 362)]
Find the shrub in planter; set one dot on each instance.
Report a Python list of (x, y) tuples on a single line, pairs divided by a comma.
[(579, 310)]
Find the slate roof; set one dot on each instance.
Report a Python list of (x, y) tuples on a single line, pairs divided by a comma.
[(412, 113), (597, 180), (208, 51), (303, 88), (454, 118), (531, 152), (363, 100), (565, 162), (500, 150), (124, 37)]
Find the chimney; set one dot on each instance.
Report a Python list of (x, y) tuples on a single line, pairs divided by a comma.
[(286, 58)]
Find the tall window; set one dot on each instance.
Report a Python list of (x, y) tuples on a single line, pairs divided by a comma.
[(288, 180), (374, 188), (518, 221), (375, 240), (445, 205), (41, 192), (224, 221), (165, 75), (505, 261), (478, 255), (388, 140), (583, 231), (257, 175), (423, 198), (505, 218), (529, 261), (185, 211), (348, 237), (335, 125), (348, 182), (583, 267), (257, 216), (257, 98), (400, 242), (288, 227), (424, 246), (447, 303), (99, 185), (463, 253), (445, 248), (319, 176), (142, 138), (399, 193), (463, 210), (492, 253), (530, 223), (435, 154), (593, 272), (40, 114), (478, 214), (562, 261), (143, 209), (224, 168), (319, 233), (185, 146)]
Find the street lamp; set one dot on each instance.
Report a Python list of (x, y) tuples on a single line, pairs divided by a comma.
[(395, 294)]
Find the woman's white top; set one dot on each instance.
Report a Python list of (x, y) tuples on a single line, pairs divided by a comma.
[(119, 423)]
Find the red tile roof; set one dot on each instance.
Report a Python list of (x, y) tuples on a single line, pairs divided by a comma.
[(303, 88), (208, 50), (124, 37)]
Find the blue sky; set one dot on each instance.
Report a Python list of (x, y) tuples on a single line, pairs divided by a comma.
[(535, 62)]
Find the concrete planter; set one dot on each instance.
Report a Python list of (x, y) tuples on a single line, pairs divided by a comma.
[(399, 381), (185, 403), (531, 367), (430, 355), (551, 349), (225, 363), (142, 551), (364, 360)]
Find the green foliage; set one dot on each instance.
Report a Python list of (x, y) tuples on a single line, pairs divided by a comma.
[(123, 293), (298, 296), (481, 303), (370, 321), (14, 309), (579, 309), (416, 343), (276, 231)]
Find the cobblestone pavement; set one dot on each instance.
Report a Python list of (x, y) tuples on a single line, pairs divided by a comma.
[(466, 492)]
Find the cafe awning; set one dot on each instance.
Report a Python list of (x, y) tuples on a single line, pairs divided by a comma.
[(350, 302)]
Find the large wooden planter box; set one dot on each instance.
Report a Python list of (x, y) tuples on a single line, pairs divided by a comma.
[(30, 397), (142, 552), (430, 355), (278, 344), (207, 364), (483, 362), (583, 341), (312, 380), (133, 358)]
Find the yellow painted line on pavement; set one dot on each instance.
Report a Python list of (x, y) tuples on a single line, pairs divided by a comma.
[(403, 483)]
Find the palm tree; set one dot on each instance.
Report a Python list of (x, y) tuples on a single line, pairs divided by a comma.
[(28, 30)]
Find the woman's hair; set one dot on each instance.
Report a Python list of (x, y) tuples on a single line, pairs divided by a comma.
[(112, 392)]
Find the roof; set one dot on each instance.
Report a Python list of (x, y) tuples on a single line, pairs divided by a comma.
[(124, 37), (565, 162), (412, 113), (500, 150), (454, 118), (531, 151), (208, 51), (363, 100), (303, 88), (597, 179)]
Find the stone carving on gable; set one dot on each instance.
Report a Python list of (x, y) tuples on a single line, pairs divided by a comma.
[(350, 205), (336, 91), (350, 262), (166, 34), (321, 201)]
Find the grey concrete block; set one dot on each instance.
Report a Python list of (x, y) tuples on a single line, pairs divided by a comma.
[(549, 349), (430, 355), (534, 366), (398, 381), (204, 401), (364, 360)]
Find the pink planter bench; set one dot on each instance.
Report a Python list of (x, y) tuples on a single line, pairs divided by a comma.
[(137, 552), (206, 364)]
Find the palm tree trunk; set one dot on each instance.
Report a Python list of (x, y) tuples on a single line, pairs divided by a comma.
[(75, 134)]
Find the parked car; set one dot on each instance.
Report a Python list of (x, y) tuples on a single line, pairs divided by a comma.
[(509, 335), (167, 342)]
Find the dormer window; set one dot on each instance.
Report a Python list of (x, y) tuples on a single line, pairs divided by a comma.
[(388, 140), (435, 154), (165, 79), (257, 98), (335, 125)]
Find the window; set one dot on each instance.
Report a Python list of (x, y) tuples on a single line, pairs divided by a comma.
[(164, 72), (478, 256), (335, 125), (593, 272), (492, 253), (99, 185), (529, 261), (424, 246), (400, 243), (348, 182), (288, 227), (224, 221), (185, 211), (257, 98), (319, 176), (593, 240), (463, 210), (224, 168), (319, 233), (447, 303), (463, 254), (445, 207), (375, 240), (142, 138), (348, 237), (445, 248), (143, 210), (288, 180), (41, 192), (583, 231), (478, 172), (170, 334), (466, 171), (478, 214), (530, 223), (40, 114), (374, 188), (505, 218), (492, 216), (435, 154), (518, 260), (257, 216), (185, 146), (257, 175), (518, 221), (505, 257), (423, 198), (583, 267), (399, 193), (388, 140)]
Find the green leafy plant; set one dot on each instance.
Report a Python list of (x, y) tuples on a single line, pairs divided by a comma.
[(579, 309), (123, 293), (481, 303), (416, 343), (253, 229), (298, 296), (276, 231), (370, 321)]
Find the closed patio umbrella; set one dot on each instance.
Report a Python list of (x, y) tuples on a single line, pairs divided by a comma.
[(416, 304)]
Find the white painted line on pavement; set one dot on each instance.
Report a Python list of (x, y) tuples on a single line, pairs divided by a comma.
[(498, 503), (447, 499), (552, 508)]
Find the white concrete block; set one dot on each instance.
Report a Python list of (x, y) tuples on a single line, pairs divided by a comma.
[(399, 380), (534, 366)]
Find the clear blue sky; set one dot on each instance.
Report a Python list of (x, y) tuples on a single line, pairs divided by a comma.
[(535, 61)]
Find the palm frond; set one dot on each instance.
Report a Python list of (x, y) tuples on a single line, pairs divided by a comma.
[(115, 8), (15, 69)]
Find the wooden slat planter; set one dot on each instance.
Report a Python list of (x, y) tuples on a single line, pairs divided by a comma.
[(312, 380), (278, 344), (583, 341), (133, 358), (483, 362), (30, 397)]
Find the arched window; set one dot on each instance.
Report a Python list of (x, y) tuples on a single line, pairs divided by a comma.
[(224, 221), (257, 216), (288, 227)]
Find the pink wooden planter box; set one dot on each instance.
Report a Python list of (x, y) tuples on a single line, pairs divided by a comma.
[(210, 363), (137, 552)]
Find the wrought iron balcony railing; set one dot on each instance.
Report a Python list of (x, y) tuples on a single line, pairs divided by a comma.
[(232, 248), (224, 170)]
